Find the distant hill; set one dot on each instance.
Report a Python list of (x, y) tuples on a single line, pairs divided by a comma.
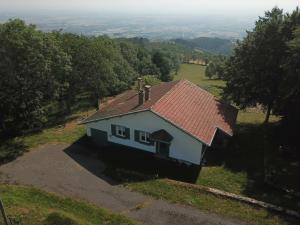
[(214, 45)]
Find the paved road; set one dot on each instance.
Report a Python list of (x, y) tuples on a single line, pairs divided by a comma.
[(62, 169)]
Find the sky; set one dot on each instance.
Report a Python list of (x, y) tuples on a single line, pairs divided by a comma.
[(224, 7)]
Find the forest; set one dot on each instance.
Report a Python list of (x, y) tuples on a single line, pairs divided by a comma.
[(43, 73), (214, 45)]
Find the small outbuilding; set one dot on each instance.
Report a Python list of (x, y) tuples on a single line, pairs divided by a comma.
[(174, 120)]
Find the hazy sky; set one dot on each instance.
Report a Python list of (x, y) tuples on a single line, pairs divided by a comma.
[(153, 6)]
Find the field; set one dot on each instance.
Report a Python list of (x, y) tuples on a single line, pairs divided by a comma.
[(238, 169), (29, 206), (196, 74)]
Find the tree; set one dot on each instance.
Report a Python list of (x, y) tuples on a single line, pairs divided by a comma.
[(253, 73), (289, 106), (30, 61), (164, 66), (130, 54), (72, 83), (210, 70)]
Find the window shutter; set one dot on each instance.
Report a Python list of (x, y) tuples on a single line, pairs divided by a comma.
[(113, 129), (127, 133), (137, 135)]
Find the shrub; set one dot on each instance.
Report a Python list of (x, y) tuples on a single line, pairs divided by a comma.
[(151, 80)]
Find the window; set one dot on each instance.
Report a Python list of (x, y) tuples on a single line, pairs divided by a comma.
[(121, 131), (144, 137)]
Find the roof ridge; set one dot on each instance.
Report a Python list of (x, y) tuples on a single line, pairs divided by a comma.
[(160, 99)]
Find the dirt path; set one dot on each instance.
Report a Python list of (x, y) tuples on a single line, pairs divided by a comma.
[(59, 168)]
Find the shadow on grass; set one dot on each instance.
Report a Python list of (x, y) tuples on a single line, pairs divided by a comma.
[(58, 218), (253, 150), (124, 165)]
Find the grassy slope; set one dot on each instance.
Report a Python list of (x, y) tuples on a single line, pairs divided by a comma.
[(162, 190), (68, 132), (196, 74), (29, 206)]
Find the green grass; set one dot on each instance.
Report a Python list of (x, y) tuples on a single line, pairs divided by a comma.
[(196, 74), (29, 206), (223, 179), (53, 135), (68, 132), (60, 128), (160, 189)]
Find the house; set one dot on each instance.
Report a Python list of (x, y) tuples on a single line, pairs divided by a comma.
[(176, 120)]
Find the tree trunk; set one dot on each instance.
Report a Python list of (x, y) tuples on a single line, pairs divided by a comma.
[(99, 103), (268, 114), (265, 141)]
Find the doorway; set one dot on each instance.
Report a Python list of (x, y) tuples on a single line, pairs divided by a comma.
[(163, 148)]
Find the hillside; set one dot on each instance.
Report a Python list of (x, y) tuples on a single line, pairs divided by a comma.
[(213, 45), (27, 205)]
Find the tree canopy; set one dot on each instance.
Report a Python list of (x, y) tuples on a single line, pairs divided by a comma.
[(257, 72), (43, 73), (31, 63)]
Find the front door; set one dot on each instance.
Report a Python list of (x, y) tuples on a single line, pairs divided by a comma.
[(162, 148)]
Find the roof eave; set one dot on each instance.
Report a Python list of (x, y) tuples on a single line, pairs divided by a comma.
[(109, 117), (213, 137)]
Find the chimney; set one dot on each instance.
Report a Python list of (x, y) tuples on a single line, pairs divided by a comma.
[(147, 92), (141, 97), (140, 83)]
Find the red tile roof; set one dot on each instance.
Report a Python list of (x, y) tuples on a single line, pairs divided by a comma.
[(183, 104)]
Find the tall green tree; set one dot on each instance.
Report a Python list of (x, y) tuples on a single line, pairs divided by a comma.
[(72, 83), (289, 105), (210, 70), (30, 61), (164, 65), (254, 72)]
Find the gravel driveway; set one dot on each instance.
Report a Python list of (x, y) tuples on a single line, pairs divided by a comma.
[(61, 169)]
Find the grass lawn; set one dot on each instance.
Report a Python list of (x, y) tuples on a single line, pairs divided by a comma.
[(29, 206), (163, 190), (196, 74), (68, 132)]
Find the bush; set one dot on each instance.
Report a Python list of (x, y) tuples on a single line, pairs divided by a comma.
[(151, 80)]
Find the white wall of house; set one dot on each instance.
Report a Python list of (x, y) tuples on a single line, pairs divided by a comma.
[(183, 146)]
